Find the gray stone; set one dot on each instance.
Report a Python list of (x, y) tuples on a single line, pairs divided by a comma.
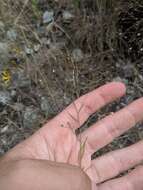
[(28, 51), (45, 41), (37, 47), (4, 129), (67, 99), (57, 45), (13, 93), (5, 97), (3, 47), (128, 99), (12, 35), (4, 52), (2, 28), (67, 16), (31, 117), (77, 55), (18, 107), (41, 30), (119, 79), (1, 152), (128, 71), (49, 28), (48, 17), (46, 106), (19, 79)]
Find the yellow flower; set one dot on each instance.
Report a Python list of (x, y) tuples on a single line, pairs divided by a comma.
[(16, 50), (6, 76)]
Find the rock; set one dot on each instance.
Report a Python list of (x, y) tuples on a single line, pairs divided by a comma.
[(125, 69), (13, 93), (5, 97), (77, 55), (46, 106), (49, 28), (19, 79), (119, 79), (18, 107), (4, 52), (57, 45), (48, 17), (31, 117), (128, 71), (4, 129), (67, 16), (128, 99), (28, 51), (1, 151), (67, 100), (41, 31), (45, 41), (37, 48), (2, 28), (12, 35)]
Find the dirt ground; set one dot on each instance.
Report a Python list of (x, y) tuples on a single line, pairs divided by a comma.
[(51, 52)]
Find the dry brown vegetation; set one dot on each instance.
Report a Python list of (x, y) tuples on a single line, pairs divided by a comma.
[(109, 34)]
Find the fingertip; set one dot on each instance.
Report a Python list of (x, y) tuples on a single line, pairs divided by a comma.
[(113, 90), (120, 87)]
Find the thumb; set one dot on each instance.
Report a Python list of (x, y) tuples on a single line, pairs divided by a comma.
[(45, 175)]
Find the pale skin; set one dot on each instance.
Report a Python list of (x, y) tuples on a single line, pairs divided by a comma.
[(54, 158)]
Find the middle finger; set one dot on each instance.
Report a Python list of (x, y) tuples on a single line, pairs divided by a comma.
[(106, 130)]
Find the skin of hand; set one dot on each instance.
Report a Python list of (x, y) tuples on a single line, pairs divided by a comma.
[(57, 158)]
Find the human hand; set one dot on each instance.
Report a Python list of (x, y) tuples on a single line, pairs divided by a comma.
[(57, 142)]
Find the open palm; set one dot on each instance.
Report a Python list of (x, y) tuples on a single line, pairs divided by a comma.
[(57, 141)]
